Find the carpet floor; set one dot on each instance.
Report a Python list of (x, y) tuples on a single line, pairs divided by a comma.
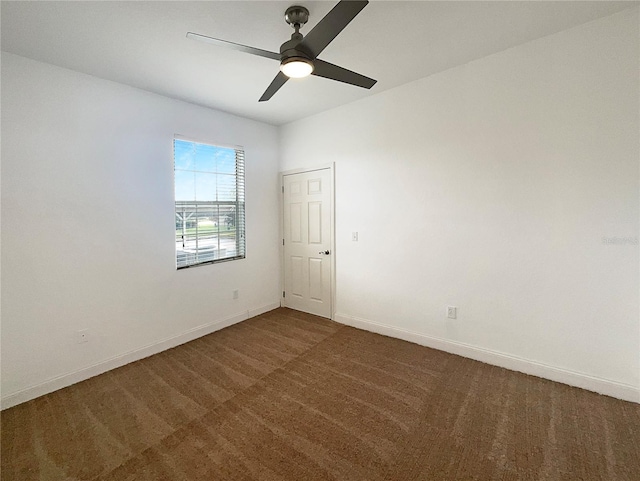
[(290, 396)]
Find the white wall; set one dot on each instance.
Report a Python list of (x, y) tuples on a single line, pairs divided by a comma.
[(490, 187), (88, 226)]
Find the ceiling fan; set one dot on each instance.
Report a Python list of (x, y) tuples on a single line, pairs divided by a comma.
[(298, 57)]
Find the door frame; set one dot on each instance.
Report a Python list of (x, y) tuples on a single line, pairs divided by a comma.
[(332, 223)]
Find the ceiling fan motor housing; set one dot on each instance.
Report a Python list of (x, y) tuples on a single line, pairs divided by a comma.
[(291, 48)]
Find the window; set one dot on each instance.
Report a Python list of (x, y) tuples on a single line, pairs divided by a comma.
[(209, 193)]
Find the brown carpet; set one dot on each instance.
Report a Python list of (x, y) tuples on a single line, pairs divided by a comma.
[(289, 396)]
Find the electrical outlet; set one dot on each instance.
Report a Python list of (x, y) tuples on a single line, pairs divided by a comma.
[(82, 336), (354, 236), (452, 312), (236, 294)]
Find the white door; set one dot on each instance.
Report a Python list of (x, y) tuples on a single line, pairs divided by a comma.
[(307, 242)]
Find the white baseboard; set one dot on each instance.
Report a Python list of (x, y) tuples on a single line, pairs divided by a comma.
[(618, 390), (85, 373)]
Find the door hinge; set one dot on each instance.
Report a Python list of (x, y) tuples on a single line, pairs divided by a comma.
[(283, 189), (283, 294), (282, 241)]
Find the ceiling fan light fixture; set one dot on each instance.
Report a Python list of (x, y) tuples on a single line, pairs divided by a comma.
[(296, 67)]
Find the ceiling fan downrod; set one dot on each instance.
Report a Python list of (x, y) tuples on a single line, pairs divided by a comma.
[(296, 16)]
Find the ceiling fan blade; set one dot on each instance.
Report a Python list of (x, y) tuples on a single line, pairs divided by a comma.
[(333, 72), (278, 82), (330, 26), (234, 46)]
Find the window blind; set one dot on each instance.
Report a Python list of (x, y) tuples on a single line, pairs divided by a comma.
[(209, 198)]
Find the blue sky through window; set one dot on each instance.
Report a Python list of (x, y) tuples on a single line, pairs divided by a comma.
[(204, 172)]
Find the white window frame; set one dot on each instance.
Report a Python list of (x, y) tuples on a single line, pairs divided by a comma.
[(195, 257)]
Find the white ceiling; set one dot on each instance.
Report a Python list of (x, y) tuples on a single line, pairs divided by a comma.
[(143, 44)]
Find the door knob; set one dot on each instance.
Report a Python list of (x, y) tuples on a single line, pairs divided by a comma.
[(326, 253)]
